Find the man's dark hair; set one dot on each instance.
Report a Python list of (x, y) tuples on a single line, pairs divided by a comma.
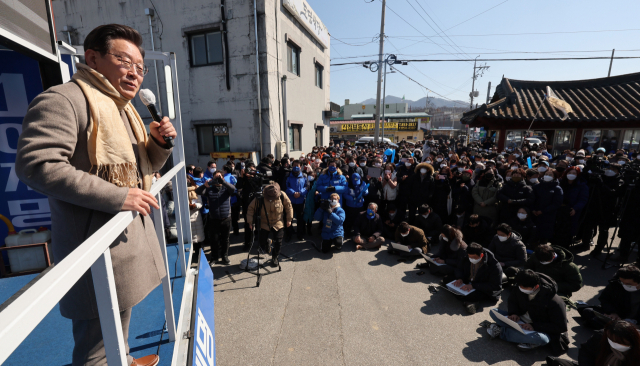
[(504, 228), (527, 278), (423, 209), (99, 39), (544, 253), (197, 171), (629, 272), (404, 227), (227, 168), (265, 160), (475, 249), (270, 156), (391, 207), (474, 219), (210, 163), (295, 163), (190, 167)]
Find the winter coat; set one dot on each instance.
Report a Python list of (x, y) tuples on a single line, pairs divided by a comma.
[(421, 187), (489, 196), (336, 180), (462, 196), (350, 171), (431, 226), (415, 239), (218, 198), (630, 222), (562, 270), (441, 194), (366, 227), (233, 181), (451, 257), (274, 210), (195, 217), (615, 299), (310, 203), (297, 184), (390, 230), (548, 199), (488, 279), (611, 193), (357, 190), (404, 184), (527, 229), (547, 311), (331, 223), (511, 252), (520, 194), (481, 234)]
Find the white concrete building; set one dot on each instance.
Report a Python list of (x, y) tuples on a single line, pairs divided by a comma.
[(348, 110), (218, 89)]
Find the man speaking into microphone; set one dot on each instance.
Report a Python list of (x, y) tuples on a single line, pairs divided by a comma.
[(84, 146)]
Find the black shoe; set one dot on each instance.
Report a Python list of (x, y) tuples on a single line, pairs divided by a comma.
[(225, 260), (595, 253), (471, 307), (391, 250), (274, 262), (422, 265)]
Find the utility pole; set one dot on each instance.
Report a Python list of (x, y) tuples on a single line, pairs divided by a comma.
[(477, 71), (611, 63), (489, 93), (377, 129)]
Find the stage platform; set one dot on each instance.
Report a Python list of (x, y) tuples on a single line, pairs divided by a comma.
[(51, 343)]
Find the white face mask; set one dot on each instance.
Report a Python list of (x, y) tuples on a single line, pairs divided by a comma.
[(334, 203), (363, 164), (551, 261), (581, 161), (528, 292), (387, 172), (538, 154), (352, 164), (547, 178), (423, 171), (377, 165), (516, 155), (609, 173), (439, 159), (522, 216), (445, 239), (638, 157), (621, 162), (533, 180), (318, 161), (407, 164), (542, 169), (443, 165), (403, 235), (508, 179), (618, 346), (630, 288), (514, 167), (425, 216), (502, 238), (392, 214), (475, 261), (212, 170), (571, 176), (460, 170), (311, 179)]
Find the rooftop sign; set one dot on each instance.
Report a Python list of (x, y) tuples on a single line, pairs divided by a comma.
[(308, 18)]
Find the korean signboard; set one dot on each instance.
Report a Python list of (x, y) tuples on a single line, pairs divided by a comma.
[(305, 15)]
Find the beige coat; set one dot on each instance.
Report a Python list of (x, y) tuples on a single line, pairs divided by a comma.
[(274, 211), (53, 159)]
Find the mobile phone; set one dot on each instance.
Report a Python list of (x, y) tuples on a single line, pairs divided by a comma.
[(441, 177)]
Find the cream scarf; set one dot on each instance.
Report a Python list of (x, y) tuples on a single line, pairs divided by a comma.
[(109, 145)]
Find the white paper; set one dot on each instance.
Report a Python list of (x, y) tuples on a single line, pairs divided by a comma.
[(401, 247), (430, 260), (458, 289), (512, 324)]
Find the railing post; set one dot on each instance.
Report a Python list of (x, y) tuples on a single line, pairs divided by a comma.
[(166, 280), (108, 310), (177, 211)]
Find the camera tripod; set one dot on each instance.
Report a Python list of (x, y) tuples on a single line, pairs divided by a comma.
[(609, 247)]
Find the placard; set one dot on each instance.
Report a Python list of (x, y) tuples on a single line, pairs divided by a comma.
[(204, 335)]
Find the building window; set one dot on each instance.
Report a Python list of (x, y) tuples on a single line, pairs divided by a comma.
[(212, 138), (293, 59), (295, 137), (206, 48), (319, 70), (319, 136)]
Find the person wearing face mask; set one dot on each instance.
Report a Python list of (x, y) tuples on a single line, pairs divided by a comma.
[(513, 195), (524, 225), (548, 197), (412, 237), (404, 174), (429, 222), (612, 191), (232, 179), (310, 202), (297, 193), (557, 263), (421, 189), (351, 168), (479, 271), (451, 250), (389, 186), (331, 181), (532, 177), (508, 248), (485, 195), (211, 169), (541, 311), (629, 229), (368, 229), (391, 219), (354, 201), (620, 299), (461, 190), (617, 345), (478, 230), (331, 217), (574, 199)]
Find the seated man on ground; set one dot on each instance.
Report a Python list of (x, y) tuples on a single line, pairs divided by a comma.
[(331, 217), (451, 250), (391, 219), (508, 249), (412, 237), (557, 263), (619, 300), (478, 270), (478, 230), (367, 229), (541, 311), (429, 222)]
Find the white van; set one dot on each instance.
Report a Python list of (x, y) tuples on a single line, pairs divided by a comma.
[(365, 140)]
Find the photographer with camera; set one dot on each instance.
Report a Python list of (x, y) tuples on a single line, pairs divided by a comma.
[(297, 192), (331, 217), (278, 214), (218, 193), (235, 205), (249, 185)]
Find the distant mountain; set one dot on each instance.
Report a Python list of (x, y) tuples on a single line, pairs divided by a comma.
[(420, 103)]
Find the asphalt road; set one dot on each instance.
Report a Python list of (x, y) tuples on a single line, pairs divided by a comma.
[(361, 308)]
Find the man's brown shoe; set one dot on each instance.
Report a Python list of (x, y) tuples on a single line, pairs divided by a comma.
[(151, 360)]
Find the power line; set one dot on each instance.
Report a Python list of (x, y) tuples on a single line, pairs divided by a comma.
[(434, 22), (514, 34), (475, 16), (513, 59), (436, 93)]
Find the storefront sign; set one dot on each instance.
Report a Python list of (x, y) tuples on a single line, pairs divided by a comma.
[(407, 126), (303, 13), (365, 127)]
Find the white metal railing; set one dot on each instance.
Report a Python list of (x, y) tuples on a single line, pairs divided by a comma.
[(26, 311)]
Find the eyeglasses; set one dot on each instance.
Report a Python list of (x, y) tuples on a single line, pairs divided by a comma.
[(140, 69)]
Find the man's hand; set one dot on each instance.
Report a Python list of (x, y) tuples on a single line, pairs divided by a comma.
[(526, 326), (358, 239), (371, 239), (296, 195), (458, 283), (288, 223), (483, 204), (162, 128), (466, 287), (614, 316), (514, 317), (250, 226), (206, 184), (139, 201), (439, 261), (572, 212)]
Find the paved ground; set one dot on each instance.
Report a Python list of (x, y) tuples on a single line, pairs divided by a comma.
[(360, 308)]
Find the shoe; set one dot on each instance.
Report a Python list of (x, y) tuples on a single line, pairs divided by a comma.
[(494, 331), (470, 307), (422, 265), (301, 237), (225, 261), (274, 262), (151, 360), (391, 250), (595, 253), (527, 346)]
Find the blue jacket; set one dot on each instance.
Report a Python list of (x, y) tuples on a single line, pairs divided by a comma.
[(233, 181), (309, 207), (297, 184), (336, 180), (350, 197), (199, 182), (331, 223)]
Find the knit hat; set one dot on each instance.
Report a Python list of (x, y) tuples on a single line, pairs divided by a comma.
[(272, 191), (580, 153)]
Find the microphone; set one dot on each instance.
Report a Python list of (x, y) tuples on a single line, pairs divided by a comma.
[(149, 99)]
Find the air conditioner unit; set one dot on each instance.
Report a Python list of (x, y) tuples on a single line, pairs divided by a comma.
[(281, 149)]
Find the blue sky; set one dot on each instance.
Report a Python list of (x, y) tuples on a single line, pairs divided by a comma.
[(357, 22)]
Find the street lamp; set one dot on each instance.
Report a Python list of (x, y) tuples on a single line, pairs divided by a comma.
[(374, 66)]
